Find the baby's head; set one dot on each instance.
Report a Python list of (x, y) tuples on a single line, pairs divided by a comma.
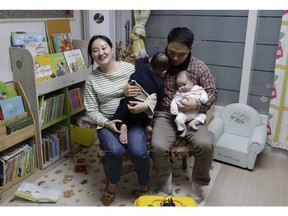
[(160, 63), (184, 81)]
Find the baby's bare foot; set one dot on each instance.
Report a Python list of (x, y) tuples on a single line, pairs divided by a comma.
[(193, 126), (123, 135), (183, 134)]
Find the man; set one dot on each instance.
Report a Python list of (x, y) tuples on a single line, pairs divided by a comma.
[(179, 45)]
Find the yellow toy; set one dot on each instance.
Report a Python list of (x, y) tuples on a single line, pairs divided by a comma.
[(163, 201)]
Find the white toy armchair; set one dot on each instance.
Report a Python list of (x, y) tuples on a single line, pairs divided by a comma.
[(239, 135)]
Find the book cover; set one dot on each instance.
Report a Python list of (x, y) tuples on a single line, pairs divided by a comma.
[(16, 32), (42, 110), (54, 27), (35, 193), (3, 170), (19, 124), (6, 92), (36, 49), (10, 165), (11, 107), (58, 64), (43, 69), (80, 97), (21, 39), (62, 42), (75, 60)]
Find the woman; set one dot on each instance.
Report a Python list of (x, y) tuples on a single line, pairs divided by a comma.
[(104, 89)]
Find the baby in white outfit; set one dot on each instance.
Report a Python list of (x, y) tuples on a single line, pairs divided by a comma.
[(185, 90)]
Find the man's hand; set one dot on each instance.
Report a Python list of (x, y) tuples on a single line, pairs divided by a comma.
[(111, 125), (136, 107), (132, 90), (187, 105)]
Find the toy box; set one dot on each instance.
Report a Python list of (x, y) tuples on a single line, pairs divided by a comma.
[(83, 136), (163, 201)]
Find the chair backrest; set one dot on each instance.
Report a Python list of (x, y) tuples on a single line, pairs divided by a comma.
[(240, 119)]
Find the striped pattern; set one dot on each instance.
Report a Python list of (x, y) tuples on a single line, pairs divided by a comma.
[(104, 92)]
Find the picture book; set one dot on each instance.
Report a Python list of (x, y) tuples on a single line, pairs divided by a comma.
[(16, 32), (11, 107), (35, 193), (43, 69), (59, 65), (36, 49), (75, 60), (21, 39), (62, 42), (54, 27), (6, 92)]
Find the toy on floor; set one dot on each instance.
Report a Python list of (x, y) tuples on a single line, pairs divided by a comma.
[(162, 201), (68, 193), (80, 165)]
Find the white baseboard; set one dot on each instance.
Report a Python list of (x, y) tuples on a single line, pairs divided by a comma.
[(276, 152)]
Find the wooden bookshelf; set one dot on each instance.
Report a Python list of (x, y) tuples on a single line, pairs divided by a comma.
[(23, 71), (17, 137)]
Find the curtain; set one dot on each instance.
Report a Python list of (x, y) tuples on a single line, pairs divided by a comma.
[(278, 111), (138, 33)]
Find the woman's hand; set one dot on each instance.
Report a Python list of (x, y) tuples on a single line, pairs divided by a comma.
[(111, 125), (187, 105), (131, 90), (136, 107)]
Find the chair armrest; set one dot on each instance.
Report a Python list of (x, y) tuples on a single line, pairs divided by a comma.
[(209, 115), (216, 128), (258, 139)]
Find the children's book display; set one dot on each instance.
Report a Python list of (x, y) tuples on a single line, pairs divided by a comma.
[(51, 58), (18, 138), (17, 162), (50, 66), (48, 92)]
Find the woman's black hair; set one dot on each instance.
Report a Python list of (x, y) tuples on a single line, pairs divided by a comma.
[(95, 37), (182, 35)]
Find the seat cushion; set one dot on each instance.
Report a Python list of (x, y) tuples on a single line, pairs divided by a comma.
[(232, 149), (234, 142)]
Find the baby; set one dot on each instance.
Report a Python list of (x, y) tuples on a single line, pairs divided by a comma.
[(148, 76), (185, 90)]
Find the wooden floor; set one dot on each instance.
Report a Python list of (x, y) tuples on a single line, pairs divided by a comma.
[(266, 185)]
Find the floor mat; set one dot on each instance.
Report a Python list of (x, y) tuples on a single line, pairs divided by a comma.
[(86, 188)]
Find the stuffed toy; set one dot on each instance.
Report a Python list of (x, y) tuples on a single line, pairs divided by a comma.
[(129, 54), (119, 51)]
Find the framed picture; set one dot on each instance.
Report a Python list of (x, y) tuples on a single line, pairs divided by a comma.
[(30, 15)]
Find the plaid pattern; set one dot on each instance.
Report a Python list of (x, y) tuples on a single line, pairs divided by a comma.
[(201, 76)]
